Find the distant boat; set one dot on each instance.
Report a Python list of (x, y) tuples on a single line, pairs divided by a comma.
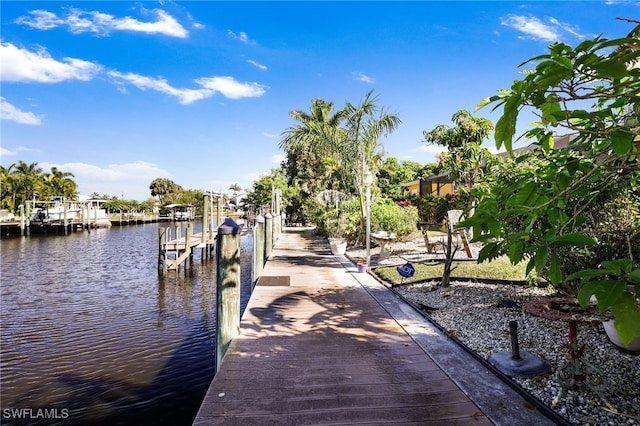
[(56, 212)]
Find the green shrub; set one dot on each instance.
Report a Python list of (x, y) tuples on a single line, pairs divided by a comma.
[(388, 216)]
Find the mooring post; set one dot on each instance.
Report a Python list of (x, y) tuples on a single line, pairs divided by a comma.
[(205, 219), (187, 246), (205, 227), (515, 346), (276, 215), (64, 216), (162, 240), (227, 286), (219, 210), (28, 217), (258, 247), (268, 235), (22, 220)]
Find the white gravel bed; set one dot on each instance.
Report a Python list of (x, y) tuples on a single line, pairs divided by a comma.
[(470, 312)]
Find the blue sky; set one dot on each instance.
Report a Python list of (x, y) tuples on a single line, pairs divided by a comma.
[(120, 93)]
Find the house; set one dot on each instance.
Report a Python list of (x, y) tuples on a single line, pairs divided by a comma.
[(440, 185), (436, 185)]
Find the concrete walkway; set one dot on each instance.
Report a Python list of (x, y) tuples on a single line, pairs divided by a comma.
[(323, 344)]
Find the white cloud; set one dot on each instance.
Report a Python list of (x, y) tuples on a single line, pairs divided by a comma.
[(11, 113), (21, 148), (22, 65), (185, 96), (434, 149), (257, 65), (130, 179), (227, 86), (362, 77), (10, 153), (78, 21), (253, 177), (270, 135), (241, 36), (113, 172), (232, 89), (278, 158), (534, 28), (7, 153)]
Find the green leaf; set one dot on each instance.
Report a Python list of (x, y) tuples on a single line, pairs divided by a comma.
[(524, 196), (635, 277), (574, 240), (608, 292), (564, 61), (617, 266), (486, 101), (547, 143), (531, 264), (540, 258), (572, 165), (587, 273), (515, 251), (555, 274), (610, 69), (622, 144), (627, 315), (563, 181), (585, 293)]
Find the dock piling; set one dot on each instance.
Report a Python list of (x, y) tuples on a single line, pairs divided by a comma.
[(258, 247), (227, 286), (268, 235)]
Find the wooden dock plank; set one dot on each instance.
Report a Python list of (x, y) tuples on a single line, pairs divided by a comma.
[(323, 351)]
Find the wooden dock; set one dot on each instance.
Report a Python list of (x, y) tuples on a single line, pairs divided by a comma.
[(174, 249), (316, 348)]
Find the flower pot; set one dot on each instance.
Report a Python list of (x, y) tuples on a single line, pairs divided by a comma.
[(610, 328), (362, 268), (338, 245)]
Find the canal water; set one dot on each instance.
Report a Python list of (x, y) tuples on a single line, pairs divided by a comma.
[(92, 334)]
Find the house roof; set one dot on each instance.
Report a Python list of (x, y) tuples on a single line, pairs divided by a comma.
[(413, 182), (560, 142)]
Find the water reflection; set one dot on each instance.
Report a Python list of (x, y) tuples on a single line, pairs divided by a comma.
[(88, 325)]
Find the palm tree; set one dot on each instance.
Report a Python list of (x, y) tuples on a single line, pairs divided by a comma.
[(28, 181), (366, 124), (235, 188), (161, 187), (318, 131), (311, 147), (7, 188), (347, 142), (59, 183)]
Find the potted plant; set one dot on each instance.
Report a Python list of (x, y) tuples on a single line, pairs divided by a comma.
[(334, 222), (615, 285), (335, 231)]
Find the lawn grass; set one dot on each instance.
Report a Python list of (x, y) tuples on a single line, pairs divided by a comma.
[(498, 269)]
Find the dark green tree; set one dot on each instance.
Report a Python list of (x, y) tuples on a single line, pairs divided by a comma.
[(594, 91), (161, 187)]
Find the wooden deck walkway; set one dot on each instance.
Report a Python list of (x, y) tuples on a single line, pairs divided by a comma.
[(316, 348)]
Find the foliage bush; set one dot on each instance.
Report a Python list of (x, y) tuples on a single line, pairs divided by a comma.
[(615, 226), (385, 216), (433, 208), (388, 216)]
